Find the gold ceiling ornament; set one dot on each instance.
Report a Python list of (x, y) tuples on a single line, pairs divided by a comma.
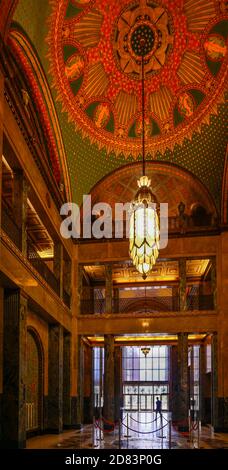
[(144, 231), (151, 20)]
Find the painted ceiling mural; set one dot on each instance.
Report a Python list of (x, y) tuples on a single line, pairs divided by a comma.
[(95, 63), (90, 50)]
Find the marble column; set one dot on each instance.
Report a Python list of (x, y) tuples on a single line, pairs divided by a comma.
[(182, 397), (75, 309), (88, 384), (80, 384), (109, 377), (55, 379), (58, 265), (202, 372), (174, 383), (182, 284), (118, 383), (215, 418), (20, 195), (175, 299), (116, 300), (108, 288), (14, 370), (222, 343), (66, 380), (80, 290)]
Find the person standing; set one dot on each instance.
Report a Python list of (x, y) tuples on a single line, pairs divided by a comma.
[(158, 407)]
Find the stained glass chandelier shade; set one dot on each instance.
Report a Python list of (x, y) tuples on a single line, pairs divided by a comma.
[(144, 223)]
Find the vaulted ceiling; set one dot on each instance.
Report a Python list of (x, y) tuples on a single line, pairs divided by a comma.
[(90, 52)]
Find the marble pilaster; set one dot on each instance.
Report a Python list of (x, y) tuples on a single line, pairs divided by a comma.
[(182, 397), (14, 370), (109, 377), (118, 382), (55, 379), (108, 288), (66, 380), (182, 284)]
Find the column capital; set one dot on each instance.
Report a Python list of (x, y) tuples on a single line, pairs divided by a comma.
[(108, 272)]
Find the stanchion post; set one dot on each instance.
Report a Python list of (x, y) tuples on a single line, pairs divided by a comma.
[(190, 429), (161, 421), (93, 432), (127, 435), (170, 436), (198, 435), (94, 435), (100, 425)]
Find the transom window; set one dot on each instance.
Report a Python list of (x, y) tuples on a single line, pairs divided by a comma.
[(154, 367)]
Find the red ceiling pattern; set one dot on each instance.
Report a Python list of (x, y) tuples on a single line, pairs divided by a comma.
[(98, 82)]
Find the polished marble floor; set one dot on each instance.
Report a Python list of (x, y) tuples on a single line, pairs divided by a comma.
[(137, 431)]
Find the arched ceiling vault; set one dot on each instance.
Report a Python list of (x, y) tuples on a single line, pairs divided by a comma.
[(169, 183), (89, 51)]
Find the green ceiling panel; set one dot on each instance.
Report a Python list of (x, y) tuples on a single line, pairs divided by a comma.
[(72, 11), (221, 28), (68, 51)]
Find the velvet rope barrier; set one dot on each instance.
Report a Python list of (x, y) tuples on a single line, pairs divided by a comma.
[(144, 432)]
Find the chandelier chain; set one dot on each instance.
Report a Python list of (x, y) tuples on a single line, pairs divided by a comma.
[(143, 118)]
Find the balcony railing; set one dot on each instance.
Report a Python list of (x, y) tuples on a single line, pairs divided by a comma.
[(10, 227), (15, 234), (42, 268), (175, 225), (92, 306), (200, 302), (147, 304)]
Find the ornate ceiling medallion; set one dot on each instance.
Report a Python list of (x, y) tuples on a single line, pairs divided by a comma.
[(94, 55), (142, 20)]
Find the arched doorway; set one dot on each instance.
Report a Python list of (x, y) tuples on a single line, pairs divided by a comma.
[(34, 391)]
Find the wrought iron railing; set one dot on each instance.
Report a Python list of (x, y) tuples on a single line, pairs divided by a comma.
[(176, 225), (200, 302), (41, 267), (90, 306), (147, 304), (10, 227)]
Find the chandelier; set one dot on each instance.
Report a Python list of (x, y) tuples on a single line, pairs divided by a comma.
[(144, 231)]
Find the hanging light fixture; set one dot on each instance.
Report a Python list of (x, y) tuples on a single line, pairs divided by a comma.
[(145, 350), (144, 223)]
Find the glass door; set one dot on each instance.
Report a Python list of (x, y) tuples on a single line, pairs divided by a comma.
[(146, 402), (134, 402)]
